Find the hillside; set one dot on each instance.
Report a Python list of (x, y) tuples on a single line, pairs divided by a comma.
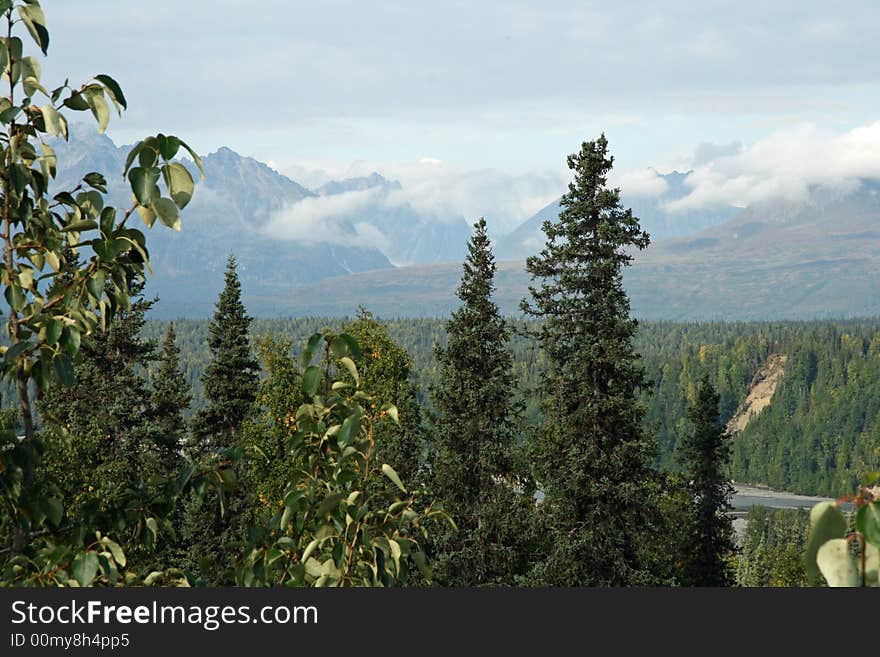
[(655, 218), (816, 258)]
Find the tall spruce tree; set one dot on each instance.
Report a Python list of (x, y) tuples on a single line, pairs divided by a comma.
[(230, 379), (703, 455), (475, 433), (215, 521), (171, 398), (592, 457)]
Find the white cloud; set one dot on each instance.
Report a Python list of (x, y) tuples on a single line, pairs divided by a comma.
[(441, 192), (645, 183), (331, 219), (785, 165)]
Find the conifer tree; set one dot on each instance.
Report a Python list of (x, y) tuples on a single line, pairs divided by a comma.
[(592, 457), (703, 455), (171, 397), (475, 431), (215, 521), (230, 379), (104, 425)]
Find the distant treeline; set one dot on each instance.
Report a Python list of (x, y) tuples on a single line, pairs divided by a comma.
[(820, 431)]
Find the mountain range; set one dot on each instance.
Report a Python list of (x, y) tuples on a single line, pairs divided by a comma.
[(327, 250)]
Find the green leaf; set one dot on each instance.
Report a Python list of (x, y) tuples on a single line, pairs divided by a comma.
[(113, 89), (826, 523), (100, 110), (115, 550), (143, 184), (133, 153), (146, 214), (53, 331), (349, 365), (148, 158), (311, 380), (96, 181), (868, 522), (195, 157), (391, 410), (76, 101), (26, 277), (85, 568), (167, 212), (15, 297), (52, 120), (836, 564), (79, 226), (53, 260), (70, 340), (33, 18), (285, 517), (389, 472), (96, 283), (12, 354), (180, 183), (168, 146), (309, 350), (49, 161), (30, 76), (351, 426), (310, 548)]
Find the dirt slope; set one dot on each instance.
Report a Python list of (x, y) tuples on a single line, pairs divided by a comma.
[(760, 392)]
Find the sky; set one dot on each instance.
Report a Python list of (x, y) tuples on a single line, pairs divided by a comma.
[(753, 96)]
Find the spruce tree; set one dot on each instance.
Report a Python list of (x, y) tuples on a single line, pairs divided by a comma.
[(171, 398), (592, 457), (104, 435), (703, 455), (475, 432), (215, 523), (230, 379)]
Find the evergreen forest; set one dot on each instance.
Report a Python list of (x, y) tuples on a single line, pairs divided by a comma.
[(572, 445)]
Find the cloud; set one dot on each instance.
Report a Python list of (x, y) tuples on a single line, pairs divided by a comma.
[(784, 165), (444, 193), (330, 219), (642, 183)]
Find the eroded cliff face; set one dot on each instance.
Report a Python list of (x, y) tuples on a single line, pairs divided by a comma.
[(760, 394)]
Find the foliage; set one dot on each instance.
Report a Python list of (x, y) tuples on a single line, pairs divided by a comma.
[(592, 457), (230, 379), (215, 520), (69, 265), (703, 453), (386, 371), (476, 473), (170, 397), (772, 548), (846, 552), (330, 530), (101, 434)]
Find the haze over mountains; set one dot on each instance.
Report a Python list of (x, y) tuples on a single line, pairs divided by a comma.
[(329, 249)]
